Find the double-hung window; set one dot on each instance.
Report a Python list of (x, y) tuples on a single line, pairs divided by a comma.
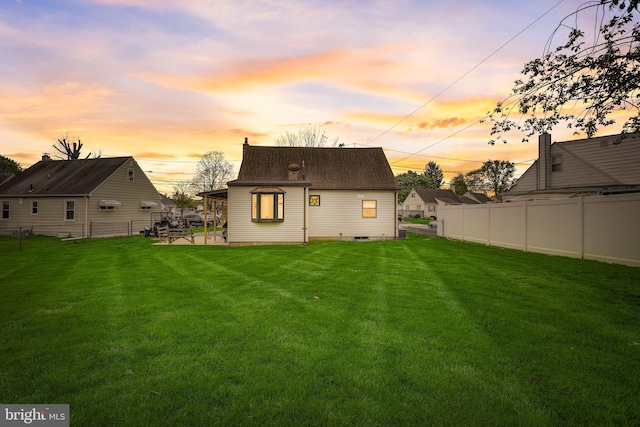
[(369, 208), (34, 207), (267, 205), (5, 209), (69, 210)]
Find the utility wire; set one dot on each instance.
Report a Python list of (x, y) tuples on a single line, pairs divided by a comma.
[(460, 78)]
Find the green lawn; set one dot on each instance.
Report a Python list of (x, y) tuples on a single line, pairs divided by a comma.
[(409, 332)]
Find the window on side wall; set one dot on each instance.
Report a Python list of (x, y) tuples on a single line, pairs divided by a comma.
[(267, 206), (5, 209), (70, 210), (34, 207), (369, 208), (556, 163), (130, 174)]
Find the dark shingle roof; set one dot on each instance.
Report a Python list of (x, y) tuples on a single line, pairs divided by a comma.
[(322, 168), (62, 177), (5, 176), (429, 195)]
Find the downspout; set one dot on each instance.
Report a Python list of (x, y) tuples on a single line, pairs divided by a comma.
[(396, 226), (305, 192), (85, 232)]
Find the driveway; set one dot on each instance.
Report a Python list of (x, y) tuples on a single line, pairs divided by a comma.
[(418, 229)]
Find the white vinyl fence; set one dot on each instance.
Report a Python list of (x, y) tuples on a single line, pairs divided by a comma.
[(605, 228)]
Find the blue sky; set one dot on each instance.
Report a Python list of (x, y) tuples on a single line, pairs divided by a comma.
[(166, 81)]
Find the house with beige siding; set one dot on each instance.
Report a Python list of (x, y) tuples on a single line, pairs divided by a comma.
[(79, 198), (424, 202), (586, 167), (291, 195)]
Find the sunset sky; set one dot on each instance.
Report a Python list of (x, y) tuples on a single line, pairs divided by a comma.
[(166, 81)]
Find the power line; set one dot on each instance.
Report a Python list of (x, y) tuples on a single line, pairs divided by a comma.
[(459, 79)]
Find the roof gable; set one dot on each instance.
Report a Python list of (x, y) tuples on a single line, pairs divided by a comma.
[(448, 197), (588, 163), (321, 168), (63, 177)]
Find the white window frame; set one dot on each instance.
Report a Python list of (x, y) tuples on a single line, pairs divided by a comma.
[(34, 207)]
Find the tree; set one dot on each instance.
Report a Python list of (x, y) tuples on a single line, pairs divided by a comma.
[(70, 148), (408, 180), (459, 185), (433, 171), (182, 196), (595, 75), (499, 174), (212, 172), (9, 165), (476, 181), (311, 136)]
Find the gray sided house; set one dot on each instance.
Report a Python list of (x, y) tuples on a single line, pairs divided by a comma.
[(79, 198), (424, 202), (596, 166), (291, 195)]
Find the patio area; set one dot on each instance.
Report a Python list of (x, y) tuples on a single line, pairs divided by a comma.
[(198, 239)]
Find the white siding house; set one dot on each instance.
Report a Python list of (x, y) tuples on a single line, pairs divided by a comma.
[(424, 202), (296, 194), (79, 198)]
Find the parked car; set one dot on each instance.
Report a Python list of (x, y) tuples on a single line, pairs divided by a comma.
[(196, 220), (193, 220)]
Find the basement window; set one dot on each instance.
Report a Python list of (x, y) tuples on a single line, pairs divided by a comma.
[(267, 205)]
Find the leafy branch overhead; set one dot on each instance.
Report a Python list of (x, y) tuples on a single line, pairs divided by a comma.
[(579, 83)]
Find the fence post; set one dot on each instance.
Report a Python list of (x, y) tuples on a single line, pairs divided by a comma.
[(526, 226), (581, 207), (489, 224)]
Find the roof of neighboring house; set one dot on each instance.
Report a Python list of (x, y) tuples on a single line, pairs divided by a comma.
[(165, 200), (432, 195), (5, 176), (62, 177), (478, 197), (320, 168), (605, 163)]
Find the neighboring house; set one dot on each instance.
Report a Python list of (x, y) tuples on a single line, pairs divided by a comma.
[(5, 176), (595, 166), (168, 206), (88, 197), (478, 197), (297, 194), (424, 202)]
